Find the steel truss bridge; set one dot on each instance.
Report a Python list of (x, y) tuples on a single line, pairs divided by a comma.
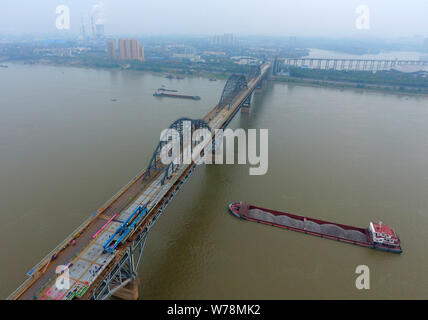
[(343, 64), (96, 274)]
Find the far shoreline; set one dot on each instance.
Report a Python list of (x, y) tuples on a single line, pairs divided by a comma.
[(307, 82), (312, 82), (204, 74)]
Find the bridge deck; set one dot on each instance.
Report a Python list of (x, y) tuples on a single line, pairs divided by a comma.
[(87, 256)]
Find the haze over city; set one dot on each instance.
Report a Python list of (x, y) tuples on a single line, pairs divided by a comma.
[(332, 18), (178, 150)]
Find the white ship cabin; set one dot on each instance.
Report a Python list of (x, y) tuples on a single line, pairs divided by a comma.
[(382, 234)]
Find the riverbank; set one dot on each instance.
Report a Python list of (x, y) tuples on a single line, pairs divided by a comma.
[(385, 80), (102, 65), (312, 82)]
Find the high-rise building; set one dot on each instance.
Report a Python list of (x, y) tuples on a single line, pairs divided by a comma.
[(226, 39), (122, 49), (134, 48), (130, 49), (111, 49), (128, 52)]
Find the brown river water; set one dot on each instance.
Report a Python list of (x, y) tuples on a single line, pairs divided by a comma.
[(340, 155)]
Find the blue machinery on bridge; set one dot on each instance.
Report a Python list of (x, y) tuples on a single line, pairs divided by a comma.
[(125, 270), (125, 229)]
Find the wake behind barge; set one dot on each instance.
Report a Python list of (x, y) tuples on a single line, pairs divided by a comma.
[(376, 236)]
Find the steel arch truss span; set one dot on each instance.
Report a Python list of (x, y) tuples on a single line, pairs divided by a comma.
[(234, 84), (185, 128), (254, 72)]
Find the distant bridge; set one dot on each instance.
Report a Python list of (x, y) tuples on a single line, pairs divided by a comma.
[(95, 273), (343, 64)]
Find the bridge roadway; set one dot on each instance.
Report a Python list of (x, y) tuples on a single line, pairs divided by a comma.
[(90, 263)]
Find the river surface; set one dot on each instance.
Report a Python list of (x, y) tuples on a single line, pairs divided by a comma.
[(345, 156)]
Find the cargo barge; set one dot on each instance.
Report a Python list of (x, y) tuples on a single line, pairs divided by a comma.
[(181, 96), (377, 236), (166, 90), (170, 76)]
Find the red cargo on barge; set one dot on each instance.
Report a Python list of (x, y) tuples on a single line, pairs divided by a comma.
[(376, 236)]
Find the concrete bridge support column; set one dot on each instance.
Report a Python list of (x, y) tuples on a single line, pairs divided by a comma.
[(129, 291), (385, 65), (365, 65), (334, 64)]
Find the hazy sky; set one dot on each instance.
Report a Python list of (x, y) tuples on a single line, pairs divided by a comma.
[(391, 18)]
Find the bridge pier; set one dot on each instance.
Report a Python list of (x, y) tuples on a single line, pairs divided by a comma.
[(128, 291)]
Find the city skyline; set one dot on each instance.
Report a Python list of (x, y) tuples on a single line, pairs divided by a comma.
[(130, 49)]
